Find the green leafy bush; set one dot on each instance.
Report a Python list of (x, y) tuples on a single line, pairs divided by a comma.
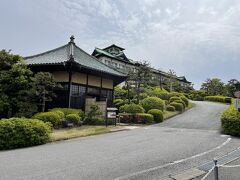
[(67, 111), (118, 102), (186, 101), (60, 114), (144, 118), (93, 116), (153, 103), (157, 114), (22, 132), (73, 118), (221, 99), (230, 120), (51, 117), (182, 102), (178, 106), (131, 108), (170, 108), (174, 98)]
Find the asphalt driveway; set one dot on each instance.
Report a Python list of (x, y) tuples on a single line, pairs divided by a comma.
[(182, 142)]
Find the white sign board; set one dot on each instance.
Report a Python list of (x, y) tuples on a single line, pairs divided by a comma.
[(237, 94), (237, 103), (111, 115)]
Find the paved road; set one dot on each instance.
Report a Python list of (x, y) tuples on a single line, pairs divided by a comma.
[(184, 141)]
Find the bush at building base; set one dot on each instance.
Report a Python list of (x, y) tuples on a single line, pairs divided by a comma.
[(67, 111), (157, 114), (22, 132), (73, 118), (50, 117)]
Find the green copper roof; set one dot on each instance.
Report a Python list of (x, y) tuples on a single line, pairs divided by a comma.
[(62, 54)]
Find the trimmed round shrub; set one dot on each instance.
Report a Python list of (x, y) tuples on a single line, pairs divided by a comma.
[(60, 114), (185, 100), (131, 108), (22, 132), (157, 115), (153, 103), (174, 98), (170, 108), (178, 106), (73, 118), (144, 118), (51, 117), (230, 120), (182, 102), (67, 111)]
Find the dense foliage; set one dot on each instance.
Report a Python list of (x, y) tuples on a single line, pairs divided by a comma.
[(153, 103), (221, 99), (230, 120), (94, 116), (131, 108), (144, 118), (178, 106), (170, 108), (22, 132), (67, 111), (157, 114), (50, 117), (73, 118)]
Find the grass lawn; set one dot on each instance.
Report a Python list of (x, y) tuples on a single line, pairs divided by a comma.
[(68, 133)]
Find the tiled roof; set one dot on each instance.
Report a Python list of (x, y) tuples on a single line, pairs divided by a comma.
[(99, 51), (62, 54)]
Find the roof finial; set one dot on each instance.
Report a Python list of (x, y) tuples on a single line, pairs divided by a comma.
[(72, 39)]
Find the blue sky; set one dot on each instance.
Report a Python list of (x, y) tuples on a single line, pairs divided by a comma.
[(197, 38)]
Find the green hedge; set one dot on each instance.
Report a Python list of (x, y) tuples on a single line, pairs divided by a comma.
[(174, 98), (181, 102), (178, 106), (153, 103), (51, 117), (131, 108), (145, 118), (221, 99), (22, 132), (230, 120), (185, 100), (73, 118), (170, 108), (67, 111), (157, 114)]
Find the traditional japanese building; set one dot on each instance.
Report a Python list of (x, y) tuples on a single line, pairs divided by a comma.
[(114, 56), (81, 75)]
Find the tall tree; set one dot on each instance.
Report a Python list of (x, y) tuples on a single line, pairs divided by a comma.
[(232, 86), (141, 77), (15, 81), (214, 87), (44, 85)]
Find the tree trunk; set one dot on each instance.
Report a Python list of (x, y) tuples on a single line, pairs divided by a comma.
[(43, 102)]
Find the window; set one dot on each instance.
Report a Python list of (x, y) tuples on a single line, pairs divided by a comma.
[(93, 91)]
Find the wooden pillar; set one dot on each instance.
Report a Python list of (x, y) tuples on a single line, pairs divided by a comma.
[(101, 87), (70, 87)]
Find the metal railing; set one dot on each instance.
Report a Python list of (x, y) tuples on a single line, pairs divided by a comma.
[(223, 172)]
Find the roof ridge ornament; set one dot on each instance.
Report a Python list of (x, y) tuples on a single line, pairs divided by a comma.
[(72, 48), (72, 39)]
